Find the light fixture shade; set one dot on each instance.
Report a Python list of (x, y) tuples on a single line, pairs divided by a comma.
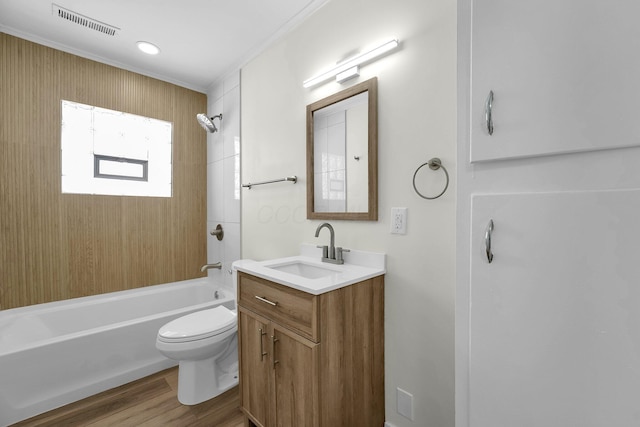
[(352, 62)]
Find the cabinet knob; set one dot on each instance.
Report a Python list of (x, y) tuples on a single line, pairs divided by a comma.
[(488, 105)]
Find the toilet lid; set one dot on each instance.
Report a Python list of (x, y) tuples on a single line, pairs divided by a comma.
[(199, 325)]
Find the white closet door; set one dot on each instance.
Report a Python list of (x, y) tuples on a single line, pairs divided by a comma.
[(555, 318), (564, 74)]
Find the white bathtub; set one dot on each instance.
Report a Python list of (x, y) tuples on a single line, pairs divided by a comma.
[(56, 353)]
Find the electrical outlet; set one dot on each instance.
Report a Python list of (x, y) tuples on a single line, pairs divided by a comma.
[(404, 403), (398, 220)]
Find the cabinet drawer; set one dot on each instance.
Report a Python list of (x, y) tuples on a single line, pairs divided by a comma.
[(294, 309)]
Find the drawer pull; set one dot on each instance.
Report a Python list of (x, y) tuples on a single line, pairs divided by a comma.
[(263, 299), (263, 353)]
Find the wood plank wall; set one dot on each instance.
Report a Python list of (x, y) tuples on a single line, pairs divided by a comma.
[(57, 246)]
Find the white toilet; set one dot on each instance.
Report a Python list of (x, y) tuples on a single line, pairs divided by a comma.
[(206, 345)]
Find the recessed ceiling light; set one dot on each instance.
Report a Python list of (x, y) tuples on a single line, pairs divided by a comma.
[(148, 48)]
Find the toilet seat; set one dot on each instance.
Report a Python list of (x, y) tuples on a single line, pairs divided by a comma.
[(199, 325)]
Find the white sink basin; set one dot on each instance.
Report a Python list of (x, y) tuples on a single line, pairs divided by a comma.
[(307, 270)]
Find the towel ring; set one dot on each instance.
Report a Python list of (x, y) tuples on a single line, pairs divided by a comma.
[(434, 164)]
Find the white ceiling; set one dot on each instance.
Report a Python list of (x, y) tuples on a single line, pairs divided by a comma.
[(200, 40)]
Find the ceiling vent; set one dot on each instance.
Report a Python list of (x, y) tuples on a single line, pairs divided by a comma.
[(85, 21)]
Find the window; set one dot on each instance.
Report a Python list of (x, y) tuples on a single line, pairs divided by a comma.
[(120, 168), (114, 153)]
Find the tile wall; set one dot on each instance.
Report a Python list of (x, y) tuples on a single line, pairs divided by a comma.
[(223, 178)]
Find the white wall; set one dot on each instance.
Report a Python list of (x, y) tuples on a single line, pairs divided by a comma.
[(223, 177), (417, 121)]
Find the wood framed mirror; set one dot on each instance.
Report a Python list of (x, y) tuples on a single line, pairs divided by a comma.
[(342, 154)]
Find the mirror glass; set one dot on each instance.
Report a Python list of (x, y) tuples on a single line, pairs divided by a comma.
[(342, 139)]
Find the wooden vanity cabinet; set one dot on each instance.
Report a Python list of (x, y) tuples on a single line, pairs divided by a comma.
[(311, 360)]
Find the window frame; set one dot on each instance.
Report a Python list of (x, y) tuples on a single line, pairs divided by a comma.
[(97, 158)]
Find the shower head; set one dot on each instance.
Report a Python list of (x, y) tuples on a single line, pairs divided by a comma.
[(207, 122)]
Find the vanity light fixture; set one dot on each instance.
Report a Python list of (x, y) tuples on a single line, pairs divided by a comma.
[(148, 48), (348, 74), (349, 68)]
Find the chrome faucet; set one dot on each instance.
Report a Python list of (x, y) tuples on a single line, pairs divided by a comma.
[(331, 253), (205, 267)]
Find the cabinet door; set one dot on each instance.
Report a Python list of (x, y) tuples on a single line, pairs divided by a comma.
[(254, 365), (564, 75), (554, 318), (295, 379)]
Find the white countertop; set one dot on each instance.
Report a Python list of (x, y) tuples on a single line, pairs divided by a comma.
[(358, 266)]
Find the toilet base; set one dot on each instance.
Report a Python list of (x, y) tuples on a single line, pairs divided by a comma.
[(201, 380)]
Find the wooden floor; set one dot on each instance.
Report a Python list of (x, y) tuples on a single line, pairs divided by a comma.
[(151, 402)]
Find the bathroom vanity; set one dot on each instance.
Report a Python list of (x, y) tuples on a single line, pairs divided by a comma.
[(310, 355)]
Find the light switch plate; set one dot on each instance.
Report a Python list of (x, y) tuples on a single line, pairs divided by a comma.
[(399, 220)]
